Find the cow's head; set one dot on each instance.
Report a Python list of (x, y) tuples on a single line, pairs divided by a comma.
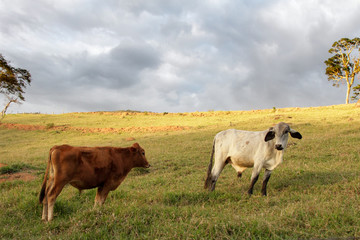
[(280, 133), (139, 156)]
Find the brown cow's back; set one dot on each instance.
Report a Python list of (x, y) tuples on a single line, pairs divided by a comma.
[(89, 167)]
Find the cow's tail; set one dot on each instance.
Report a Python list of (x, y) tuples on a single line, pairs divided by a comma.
[(209, 177), (43, 187)]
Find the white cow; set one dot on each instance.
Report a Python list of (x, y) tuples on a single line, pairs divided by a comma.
[(245, 149)]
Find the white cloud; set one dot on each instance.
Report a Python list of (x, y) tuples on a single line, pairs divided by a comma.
[(174, 55)]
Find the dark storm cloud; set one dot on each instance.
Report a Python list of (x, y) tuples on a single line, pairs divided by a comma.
[(175, 55)]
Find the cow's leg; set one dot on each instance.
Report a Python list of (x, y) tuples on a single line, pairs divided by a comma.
[(54, 191), (265, 181), (101, 195), (45, 203), (219, 165), (45, 207), (49, 185), (254, 177), (45, 210)]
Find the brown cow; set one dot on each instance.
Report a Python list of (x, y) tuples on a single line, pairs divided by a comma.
[(85, 168)]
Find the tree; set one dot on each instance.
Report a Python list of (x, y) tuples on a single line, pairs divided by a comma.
[(356, 91), (13, 82), (344, 65)]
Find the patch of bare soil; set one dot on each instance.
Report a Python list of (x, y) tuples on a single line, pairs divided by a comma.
[(93, 130), (129, 139), (17, 176)]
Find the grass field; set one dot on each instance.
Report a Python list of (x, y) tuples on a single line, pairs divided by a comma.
[(314, 194)]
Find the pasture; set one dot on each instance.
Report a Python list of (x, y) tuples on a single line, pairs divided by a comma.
[(313, 194)]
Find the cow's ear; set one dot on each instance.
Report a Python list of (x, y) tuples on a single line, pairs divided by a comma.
[(136, 145), (295, 134), (270, 135)]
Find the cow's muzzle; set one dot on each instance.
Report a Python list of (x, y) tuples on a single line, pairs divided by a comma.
[(279, 147)]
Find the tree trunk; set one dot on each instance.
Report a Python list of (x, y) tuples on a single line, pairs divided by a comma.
[(6, 107), (348, 93)]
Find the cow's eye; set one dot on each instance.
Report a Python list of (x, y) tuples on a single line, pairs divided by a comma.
[(143, 153)]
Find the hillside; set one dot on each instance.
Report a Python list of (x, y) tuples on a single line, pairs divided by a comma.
[(313, 194)]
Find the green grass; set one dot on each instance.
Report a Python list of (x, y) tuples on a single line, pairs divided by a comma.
[(314, 194), (15, 168)]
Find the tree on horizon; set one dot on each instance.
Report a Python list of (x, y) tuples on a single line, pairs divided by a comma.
[(344, 65), (13, 82)]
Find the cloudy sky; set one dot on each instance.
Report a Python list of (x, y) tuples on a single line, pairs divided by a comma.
[(174, 56)]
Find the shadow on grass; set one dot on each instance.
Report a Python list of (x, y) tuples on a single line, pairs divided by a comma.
[(304, 180), (198, 198), (295, 182), (64, 209)]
